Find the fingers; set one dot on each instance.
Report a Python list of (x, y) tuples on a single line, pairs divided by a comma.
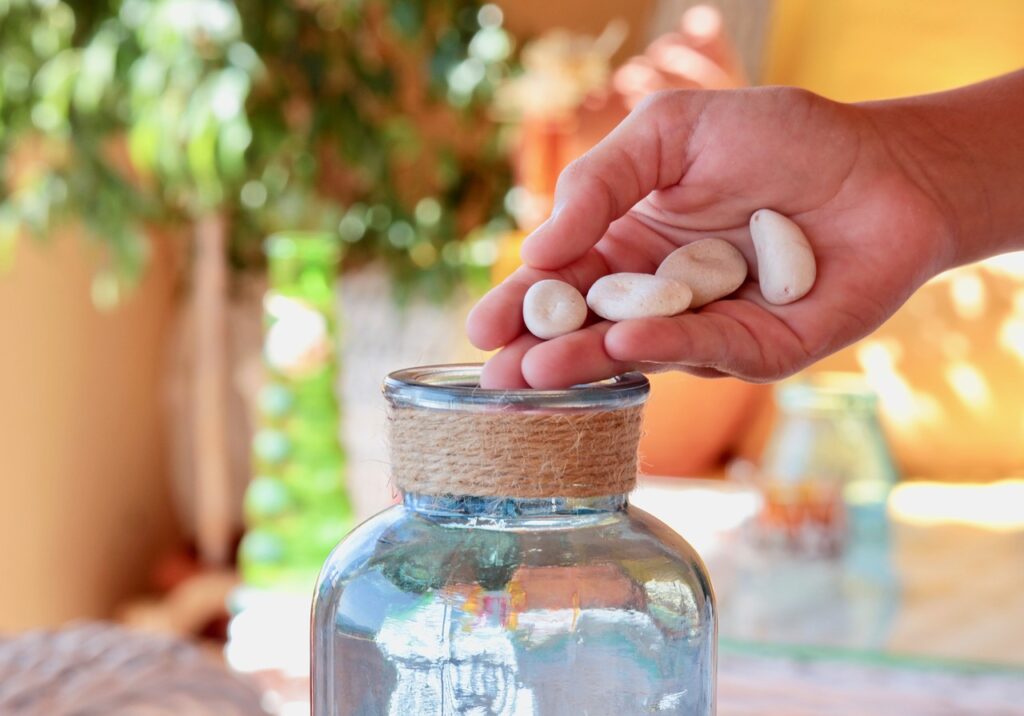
[(578, 357), (503, 371), (735, 337), (647, 151), (685, 65), (699, 55), (702, 372), (529, 362), (629, 246), (497, 318), (704, 30), (640, 77)]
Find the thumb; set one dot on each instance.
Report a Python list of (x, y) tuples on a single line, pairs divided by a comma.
[(646, 152)]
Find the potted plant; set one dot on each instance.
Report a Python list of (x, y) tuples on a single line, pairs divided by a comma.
[(212, 124)]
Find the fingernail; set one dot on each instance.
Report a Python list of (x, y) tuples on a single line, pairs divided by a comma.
[(546, 224)]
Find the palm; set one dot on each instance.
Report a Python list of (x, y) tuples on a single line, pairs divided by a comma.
[(819, 163)]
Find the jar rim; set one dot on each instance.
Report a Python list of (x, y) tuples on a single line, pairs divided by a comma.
[(457, 387), (828, 391)]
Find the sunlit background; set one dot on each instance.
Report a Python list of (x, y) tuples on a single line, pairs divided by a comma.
[(189, 409)]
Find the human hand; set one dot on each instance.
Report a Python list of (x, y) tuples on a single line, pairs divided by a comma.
[(698, 55), (690, 164)]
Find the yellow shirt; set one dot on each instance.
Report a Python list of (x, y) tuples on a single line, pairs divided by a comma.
[(854, 50)]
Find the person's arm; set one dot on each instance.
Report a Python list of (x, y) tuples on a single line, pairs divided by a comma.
[(966, 146), (888, 193)]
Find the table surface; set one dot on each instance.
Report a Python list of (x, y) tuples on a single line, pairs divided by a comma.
[(937, 589)]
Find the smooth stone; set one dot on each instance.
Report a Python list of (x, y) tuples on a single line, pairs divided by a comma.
[(622, 296), (786, 268), (712, 268), (552, 308)]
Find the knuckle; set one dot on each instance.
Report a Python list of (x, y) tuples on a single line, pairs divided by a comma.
[(796, 98), (576, 170)]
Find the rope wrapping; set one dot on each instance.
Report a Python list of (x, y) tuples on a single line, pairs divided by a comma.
[(514, 453)]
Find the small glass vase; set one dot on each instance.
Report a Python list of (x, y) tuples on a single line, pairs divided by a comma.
[(506, 606), (826, 472)]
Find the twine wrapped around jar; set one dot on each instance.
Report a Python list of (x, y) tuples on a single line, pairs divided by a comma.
[(514, 452)]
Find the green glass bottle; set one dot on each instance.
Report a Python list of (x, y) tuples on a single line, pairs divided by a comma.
[(297, 507)]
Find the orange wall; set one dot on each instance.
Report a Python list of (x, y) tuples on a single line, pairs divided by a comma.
[(84, 503)]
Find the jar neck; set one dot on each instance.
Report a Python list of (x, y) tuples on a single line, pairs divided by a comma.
[(450, 436), (512, 508)]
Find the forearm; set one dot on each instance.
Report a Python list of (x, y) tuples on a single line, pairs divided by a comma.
[(965, 148)]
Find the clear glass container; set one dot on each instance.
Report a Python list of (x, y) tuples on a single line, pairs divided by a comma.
[(826, 472), (453, 604), (820, 567)]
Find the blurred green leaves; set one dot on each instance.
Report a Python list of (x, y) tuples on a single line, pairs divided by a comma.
[(364, 117)]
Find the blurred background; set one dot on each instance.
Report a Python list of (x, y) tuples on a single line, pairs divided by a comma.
[(222, 223)]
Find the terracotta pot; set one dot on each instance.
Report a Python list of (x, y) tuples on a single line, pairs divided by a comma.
[(691, 423)]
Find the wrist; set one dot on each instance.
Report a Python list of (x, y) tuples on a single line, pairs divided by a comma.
[(963, 149), (930, 162)]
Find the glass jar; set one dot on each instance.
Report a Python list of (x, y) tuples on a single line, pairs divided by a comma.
[(820, 569), (453, 604), (826, 472)]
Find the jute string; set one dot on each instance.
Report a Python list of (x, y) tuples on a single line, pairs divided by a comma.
[(514, 453)]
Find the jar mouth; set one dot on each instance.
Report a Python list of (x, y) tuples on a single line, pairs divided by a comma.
[(828, 391), (501, 512), (457, 387)]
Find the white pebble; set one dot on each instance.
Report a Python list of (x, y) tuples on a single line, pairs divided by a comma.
[(785, 263), (622, 296), (712, 268), (552, 308)]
